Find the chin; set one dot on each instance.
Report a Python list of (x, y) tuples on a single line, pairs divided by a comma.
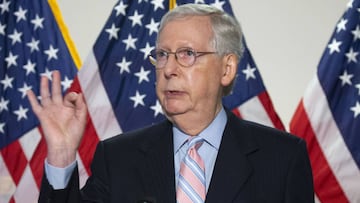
[(173, 111)]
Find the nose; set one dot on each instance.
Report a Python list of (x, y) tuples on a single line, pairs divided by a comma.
[(171, 67)]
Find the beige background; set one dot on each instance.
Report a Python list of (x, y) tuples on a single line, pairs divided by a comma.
[(285, 37)]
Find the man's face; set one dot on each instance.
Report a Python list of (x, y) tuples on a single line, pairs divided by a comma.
[(195, 89)]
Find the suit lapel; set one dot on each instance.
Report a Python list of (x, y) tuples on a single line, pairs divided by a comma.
[(231, 163), (232, 167), (159, 178)]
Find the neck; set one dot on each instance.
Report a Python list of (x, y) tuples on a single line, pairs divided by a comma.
[(192, 123)]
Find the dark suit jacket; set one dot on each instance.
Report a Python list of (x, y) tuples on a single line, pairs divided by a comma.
[(254, 164)]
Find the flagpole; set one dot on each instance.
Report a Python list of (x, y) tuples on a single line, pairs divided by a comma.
[(172, 4)]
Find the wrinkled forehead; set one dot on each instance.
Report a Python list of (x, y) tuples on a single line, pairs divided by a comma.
[(195, 29)]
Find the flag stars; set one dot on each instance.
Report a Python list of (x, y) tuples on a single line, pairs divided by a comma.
[(7, 82), (113, 31), (218, 4), (2, 125), (2, 29), (358, 87), (138, 99), (24, 89), (136, 19), (158, 4), (21, 113), (15, 37), (29, 67), (346, 78), (334, 46), (124, 65), (142, 75), (66, 83), (51, 53), (38, 22), (4, 104), (249, 72), (341, 25), (351, 56), (356, 33), (121, 8), (33, 45), (130, 42), (47, 74), (356, 109), (4, 6), (152, 26), (146, 50), (11, 59), (157, 108), (20, 14), (349, 5)]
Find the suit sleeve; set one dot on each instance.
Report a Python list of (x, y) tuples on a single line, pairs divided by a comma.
[(70, 194), (95, 189), (299, 183)]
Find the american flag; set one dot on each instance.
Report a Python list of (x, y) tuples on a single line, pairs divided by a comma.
[(31, 44), (328, 116)]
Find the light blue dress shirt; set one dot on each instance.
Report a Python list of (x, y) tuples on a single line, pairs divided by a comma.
[(208, 150), (59, 177)]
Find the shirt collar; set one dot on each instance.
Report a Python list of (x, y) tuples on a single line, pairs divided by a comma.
[(212, 134)]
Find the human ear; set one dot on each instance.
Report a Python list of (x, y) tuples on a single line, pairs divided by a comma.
[(230, 62)]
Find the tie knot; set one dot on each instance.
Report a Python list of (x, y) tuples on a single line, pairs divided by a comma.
[(195, 142)]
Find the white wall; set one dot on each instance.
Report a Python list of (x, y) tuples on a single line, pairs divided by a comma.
[(285, 37)]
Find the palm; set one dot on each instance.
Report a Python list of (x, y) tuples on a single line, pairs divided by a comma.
[(62, 119), (63, 124)]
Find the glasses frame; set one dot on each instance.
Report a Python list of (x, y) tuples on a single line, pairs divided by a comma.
[(153, 53)]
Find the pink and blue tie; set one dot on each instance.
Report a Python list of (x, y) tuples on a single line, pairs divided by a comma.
[(191, 183)]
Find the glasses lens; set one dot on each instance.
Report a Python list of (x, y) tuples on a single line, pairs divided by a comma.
[(158, 57), (186, 56)]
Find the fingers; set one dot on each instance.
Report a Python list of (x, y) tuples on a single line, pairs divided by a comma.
[(44, 90), (76, 101), (56, 87), (48, 98), (33, 102), (81, 108), (55, 95), (70, 99), (45, 94)]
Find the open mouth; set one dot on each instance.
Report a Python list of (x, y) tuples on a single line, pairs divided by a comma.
[(173, 93)]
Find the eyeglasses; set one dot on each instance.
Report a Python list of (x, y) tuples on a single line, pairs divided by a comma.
[(184, 56)]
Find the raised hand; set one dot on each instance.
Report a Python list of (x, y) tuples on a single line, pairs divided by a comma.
[(62, 119)]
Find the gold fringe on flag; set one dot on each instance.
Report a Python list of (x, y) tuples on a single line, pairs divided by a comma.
[(64, 31)]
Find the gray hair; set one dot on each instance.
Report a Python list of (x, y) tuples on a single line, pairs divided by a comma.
[(227, 31)]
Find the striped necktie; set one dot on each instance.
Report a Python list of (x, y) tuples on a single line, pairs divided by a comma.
[(191, 185)]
